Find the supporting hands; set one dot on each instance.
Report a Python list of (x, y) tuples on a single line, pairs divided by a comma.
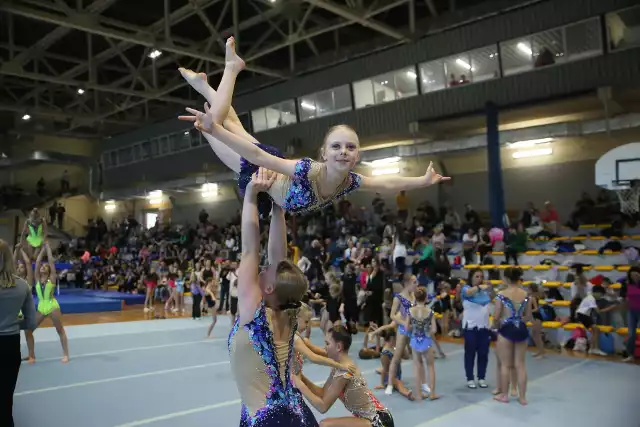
[(432, 177), (201, 121), (261, 181)]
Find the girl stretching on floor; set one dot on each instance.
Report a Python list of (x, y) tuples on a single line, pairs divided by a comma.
[(47, 304), (422, 324), (512, 311), (386, 356), (301, 185), (24, 271), (352, 389), (402, 302)]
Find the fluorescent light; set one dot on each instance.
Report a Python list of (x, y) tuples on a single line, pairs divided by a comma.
[(529, 143), (155, 197), (464, 64), (532, 153), (110, 206), (524, 48), (307, 106), (80, 91), (385, 171), (155, 54), (26, 117), (411, 74), (383, 162), (186, 132)]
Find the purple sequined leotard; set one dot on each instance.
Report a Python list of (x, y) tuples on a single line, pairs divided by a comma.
[(297, 194), (261, 369)]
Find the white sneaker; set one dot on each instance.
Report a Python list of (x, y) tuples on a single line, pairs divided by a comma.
[(482, 384), (147, 309), (472, 384), (629, 359), (389, 390), (597, 352), (426, 388)]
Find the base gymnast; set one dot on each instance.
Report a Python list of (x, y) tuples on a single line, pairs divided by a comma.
[(352, 389), (261, 342), (301, 185)]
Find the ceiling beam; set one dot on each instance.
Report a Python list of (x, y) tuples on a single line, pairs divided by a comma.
[(47, 41), (310, 34), (90, 24), (8, 70), (62, 115), (176, 17), (432, 7), (358, 18)]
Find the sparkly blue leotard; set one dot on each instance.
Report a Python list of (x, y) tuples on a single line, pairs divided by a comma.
[(269, 398), (300, 193), (514, 327), (421, 333), (405, 305)]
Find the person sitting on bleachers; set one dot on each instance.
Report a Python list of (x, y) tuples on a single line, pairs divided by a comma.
[(550, 218), (588, 315)]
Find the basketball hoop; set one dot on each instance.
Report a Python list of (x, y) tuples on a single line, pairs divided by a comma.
[(628, 193)]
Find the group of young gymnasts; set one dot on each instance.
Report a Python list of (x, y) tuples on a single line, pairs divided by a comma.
[(265, 345)]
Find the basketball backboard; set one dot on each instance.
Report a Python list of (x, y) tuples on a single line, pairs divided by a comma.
[(620, 164)]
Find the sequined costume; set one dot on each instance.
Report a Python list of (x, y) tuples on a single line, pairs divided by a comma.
[(359, 400), (405, 305), (389, 353), (261, 369), (421, 333), (297, 194), (513, 327)]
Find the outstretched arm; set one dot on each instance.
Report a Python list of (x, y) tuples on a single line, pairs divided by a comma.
[(277, 244), (324, 402), (249, 294), (399, 183), (316, 359), (245, 147), (52, 263)]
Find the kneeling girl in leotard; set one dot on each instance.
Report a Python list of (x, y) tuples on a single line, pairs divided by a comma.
[(421, 323), (24, 270), (45, 276), (304, 348), (352, 389), (512, 311)]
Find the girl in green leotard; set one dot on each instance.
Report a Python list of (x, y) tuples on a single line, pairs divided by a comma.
[(34, 231), (24, 270), (45, 275)]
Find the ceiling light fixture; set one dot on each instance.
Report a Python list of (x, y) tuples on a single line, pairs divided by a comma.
[(80, 91), (26, 117), (155, 53), (464, 64), (412, 74), (532, 153), (528, 143), (385, 171), (383, 162), (308, 106), (524, 48)]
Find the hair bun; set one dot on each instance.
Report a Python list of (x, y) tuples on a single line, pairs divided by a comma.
[(292, 305)]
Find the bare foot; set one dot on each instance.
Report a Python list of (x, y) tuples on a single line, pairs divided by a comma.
[(379, 387), (65, 359), (434, 396), (378, 371), (495, 392), (31, 360), (538, 356), (231, 58), (523, 401), (198, 81), (514, 392), (501, 398)]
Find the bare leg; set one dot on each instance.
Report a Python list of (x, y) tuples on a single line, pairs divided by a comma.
[(57, 322), (214, 320), (401, 343), (537, 338), (431, 363), (504, 349), (437, 344), (418, 374), (31, 347), (513, 382), (521, 371)]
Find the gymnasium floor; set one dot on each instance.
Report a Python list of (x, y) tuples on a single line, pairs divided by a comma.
[(163, 373)]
